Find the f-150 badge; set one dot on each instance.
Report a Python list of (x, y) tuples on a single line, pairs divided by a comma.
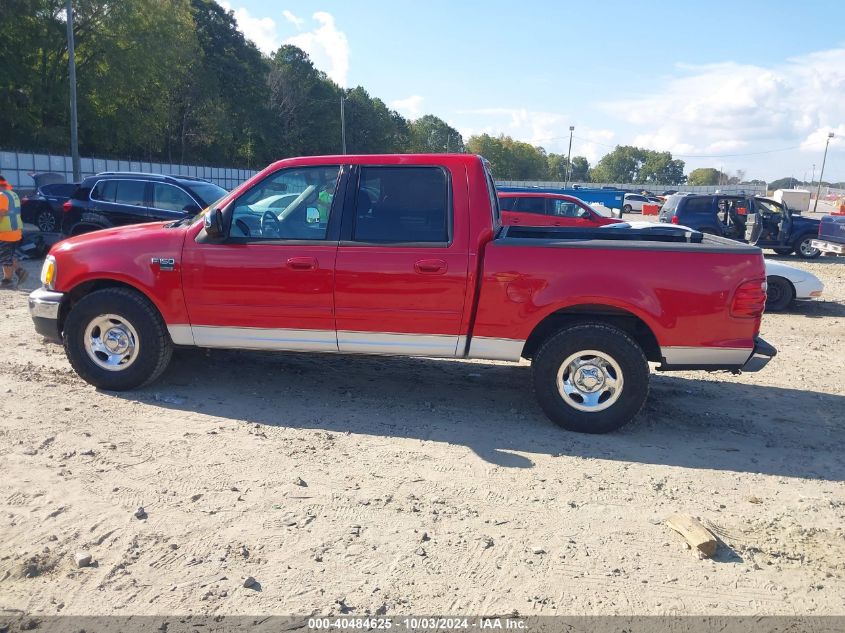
[(164, 263)]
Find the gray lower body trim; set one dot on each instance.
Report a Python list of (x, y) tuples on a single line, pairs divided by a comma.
[(705, 356), (181, 334), (45, 304), (265, 338), (439, 345), (487, 348)]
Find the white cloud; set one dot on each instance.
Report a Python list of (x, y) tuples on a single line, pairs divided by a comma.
[(261, 31), (730, 108), (410, 107), (327, 46), (290, 17)]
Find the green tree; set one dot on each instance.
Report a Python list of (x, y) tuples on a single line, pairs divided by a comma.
[(430, 134), (580, 169), (510, 159), (629, 164)]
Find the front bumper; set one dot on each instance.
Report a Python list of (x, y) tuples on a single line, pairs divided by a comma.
[(762, 354), (44, 307), (828, 247)]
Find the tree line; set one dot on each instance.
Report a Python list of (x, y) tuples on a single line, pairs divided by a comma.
[(176, 81)]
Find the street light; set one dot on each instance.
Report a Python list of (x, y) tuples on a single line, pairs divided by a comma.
[(569, 158), (342, 124), (821, 173)]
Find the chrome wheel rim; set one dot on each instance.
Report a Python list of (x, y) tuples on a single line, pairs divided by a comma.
[(807, 249), (590, 381), (46, 222), (111, 342)]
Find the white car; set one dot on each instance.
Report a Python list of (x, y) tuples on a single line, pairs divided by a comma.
[(788, 283), (635, 202)]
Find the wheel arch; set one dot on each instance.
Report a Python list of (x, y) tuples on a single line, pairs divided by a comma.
[(85, 288), (621, 318)]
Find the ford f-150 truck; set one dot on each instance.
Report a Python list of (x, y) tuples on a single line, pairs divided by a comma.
[(406, 255)]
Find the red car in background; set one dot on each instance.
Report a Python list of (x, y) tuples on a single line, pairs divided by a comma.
[(549, 209)]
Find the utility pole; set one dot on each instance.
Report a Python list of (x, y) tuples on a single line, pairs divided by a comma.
[(821, 173), (569, 158), (814, 174), (71, 54), (342, 123)]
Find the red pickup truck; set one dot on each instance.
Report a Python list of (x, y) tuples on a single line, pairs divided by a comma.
[(548, 209), (406, 255)]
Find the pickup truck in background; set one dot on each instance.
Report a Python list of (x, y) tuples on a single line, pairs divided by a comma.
[(549, 209), (406, 255), (831, 237)]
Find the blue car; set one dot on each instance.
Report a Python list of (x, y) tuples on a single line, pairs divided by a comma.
[(778, 227)]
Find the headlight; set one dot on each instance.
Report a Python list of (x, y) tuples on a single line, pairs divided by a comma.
[(48, 272)]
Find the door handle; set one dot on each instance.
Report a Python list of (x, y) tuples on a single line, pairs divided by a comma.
[(302, 263), (430, 267)]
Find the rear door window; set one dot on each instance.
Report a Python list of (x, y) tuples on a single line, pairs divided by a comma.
[(402, 204), (529, 204), (698, 205), (130, 192)]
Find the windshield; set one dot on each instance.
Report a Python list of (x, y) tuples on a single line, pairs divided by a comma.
[(207, 192)]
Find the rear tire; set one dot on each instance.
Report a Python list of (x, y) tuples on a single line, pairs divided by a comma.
[(115, 339), (627, 208), (780, 294), (590, 378), (804, 248), (46, 221)]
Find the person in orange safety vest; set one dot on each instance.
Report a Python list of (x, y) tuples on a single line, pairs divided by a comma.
[(11, 233)]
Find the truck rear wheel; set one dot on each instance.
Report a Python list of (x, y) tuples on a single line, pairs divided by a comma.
[(115, 339), (591, 378)]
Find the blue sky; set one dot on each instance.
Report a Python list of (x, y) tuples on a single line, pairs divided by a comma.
[(716, 89)]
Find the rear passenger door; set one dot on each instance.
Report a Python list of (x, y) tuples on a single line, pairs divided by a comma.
[(401, 271), (120, 201)]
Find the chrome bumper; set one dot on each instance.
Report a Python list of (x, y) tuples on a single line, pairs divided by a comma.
[(828, 247), (44, 306), (762, 354)]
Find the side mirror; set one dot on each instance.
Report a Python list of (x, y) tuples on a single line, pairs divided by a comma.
[(191, 208), (312, 215), (213, 223)]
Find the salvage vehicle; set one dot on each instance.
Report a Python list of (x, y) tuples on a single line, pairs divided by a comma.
[(43, 208), (787, 284), (112, 199), (785, 230), (548, 209), (406, 255), (831, 237)]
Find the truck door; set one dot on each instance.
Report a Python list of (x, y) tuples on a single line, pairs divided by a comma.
[(401, 272), (270, 284)]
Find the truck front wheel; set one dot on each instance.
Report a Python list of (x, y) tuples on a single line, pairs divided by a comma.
[(591, 378), (115, 339)]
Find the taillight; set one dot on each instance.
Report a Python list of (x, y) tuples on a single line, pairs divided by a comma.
[(674, 219), (66, 206), (749, 299)]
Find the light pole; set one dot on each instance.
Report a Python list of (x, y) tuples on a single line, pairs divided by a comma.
[(814, 174), (821, 173), (342, 124), (569, 158), (71, 55)]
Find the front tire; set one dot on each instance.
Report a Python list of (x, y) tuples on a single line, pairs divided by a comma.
[(783, 251), (115, 339), (804, 247), (590, 378), (780, 294)]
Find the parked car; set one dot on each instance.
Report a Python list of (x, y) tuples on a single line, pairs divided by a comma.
[(44, 207), (548, 209), (781, 229), (114, 199), (831, 238), (787, 283), (634, 202), (405, 255)]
